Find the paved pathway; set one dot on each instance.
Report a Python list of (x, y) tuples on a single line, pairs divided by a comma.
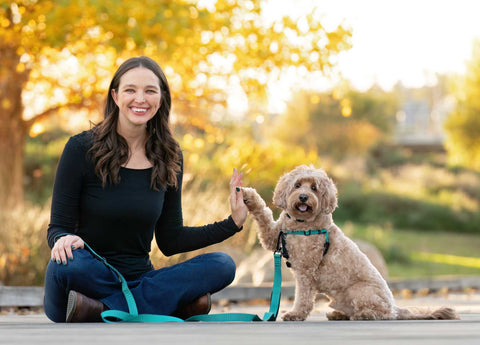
[(36, 329)]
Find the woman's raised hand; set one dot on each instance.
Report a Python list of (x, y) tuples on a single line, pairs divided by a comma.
[(239, 209)]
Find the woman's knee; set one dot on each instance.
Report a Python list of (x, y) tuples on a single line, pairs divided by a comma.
[(81, 265), (223, 265)]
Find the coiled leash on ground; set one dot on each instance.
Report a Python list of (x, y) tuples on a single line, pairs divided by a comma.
[(114, 316)]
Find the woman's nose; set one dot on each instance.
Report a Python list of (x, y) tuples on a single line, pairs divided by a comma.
[(139, 97)]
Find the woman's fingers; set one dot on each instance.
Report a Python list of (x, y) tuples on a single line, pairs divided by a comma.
[(59, 251), (234, 182), (77, 243), (239, 210), (236, 196), (62, 251)]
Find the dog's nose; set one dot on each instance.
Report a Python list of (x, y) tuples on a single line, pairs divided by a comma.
[(303, 197)]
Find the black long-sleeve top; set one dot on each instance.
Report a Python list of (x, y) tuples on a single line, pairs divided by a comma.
[(119, 221)]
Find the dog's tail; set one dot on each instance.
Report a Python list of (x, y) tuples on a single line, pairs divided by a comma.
[(443, 313)]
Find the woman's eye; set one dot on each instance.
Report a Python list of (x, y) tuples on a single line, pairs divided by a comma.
[(152, 91), (129, 90)]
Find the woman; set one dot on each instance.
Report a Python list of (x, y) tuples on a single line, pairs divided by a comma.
[(116, 186)]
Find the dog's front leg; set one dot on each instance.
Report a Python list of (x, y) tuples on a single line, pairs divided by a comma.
[(262, 214), (304, 299)]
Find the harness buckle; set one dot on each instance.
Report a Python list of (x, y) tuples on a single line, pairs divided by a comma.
[(282, 245), (308, 232)]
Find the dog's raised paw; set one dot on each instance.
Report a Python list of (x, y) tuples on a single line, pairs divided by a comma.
[(293, 316), (248, 194)]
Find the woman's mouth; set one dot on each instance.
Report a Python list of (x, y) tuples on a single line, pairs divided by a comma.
[(138, 111)]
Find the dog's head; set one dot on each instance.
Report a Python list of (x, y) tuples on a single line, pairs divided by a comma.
[(305, 193)]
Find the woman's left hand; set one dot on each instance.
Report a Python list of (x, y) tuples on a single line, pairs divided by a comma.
[(239, 209)]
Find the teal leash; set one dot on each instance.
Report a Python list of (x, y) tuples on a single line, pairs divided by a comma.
[(272, 313), (114, 316)]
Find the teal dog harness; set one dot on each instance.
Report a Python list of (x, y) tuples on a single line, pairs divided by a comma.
[(282, 241)]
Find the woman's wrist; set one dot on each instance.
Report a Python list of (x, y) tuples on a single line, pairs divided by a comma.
[(237, 223)]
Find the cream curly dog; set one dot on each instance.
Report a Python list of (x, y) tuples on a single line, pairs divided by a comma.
[(357, 291)]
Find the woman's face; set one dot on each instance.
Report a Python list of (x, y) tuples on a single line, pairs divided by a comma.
[(138, 97)]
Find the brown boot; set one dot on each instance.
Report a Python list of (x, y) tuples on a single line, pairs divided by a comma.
[(81, 308), (200, 306)]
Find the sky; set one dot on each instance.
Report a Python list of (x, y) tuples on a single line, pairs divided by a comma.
[(408, 40)]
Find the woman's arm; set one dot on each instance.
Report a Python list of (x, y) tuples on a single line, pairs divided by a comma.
[(66, 191), (172, 237)]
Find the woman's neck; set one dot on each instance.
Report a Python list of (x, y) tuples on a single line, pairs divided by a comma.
[(135, 137)]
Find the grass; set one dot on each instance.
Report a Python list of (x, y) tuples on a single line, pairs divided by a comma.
[(412, 254)]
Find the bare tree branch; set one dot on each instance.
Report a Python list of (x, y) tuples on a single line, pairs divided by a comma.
[(83, 104)]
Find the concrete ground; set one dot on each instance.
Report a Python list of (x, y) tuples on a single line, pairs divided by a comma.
[(37, 329)]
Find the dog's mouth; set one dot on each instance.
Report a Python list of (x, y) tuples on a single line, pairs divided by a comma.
[(302, 207)]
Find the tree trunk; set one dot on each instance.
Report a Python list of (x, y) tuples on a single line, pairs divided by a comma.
[(11, 161), (12, 129)]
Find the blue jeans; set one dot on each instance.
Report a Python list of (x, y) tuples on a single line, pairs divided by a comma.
[(159, 291)]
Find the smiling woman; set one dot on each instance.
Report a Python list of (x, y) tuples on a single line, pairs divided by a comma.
[(137, 138), (117, 185), (138, 98)]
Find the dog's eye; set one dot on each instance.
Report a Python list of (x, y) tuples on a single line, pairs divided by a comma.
[(314, 187), (297, 185)]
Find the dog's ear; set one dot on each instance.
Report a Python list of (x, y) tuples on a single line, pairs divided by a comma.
[(281, 192), (328, 200)]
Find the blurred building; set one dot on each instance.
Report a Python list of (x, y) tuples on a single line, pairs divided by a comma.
[(420, 120)]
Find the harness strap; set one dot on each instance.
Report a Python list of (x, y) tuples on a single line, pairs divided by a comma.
[(114, 316), (282, 241), (326, 245)]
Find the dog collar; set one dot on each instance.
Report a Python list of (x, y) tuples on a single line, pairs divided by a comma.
[(298, 220)]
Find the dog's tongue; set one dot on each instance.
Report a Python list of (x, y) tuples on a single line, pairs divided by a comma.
[(303, 208)]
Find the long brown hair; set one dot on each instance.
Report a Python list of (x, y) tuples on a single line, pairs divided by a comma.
[(110, 150)]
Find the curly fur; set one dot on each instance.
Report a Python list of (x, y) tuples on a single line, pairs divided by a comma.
[(357, 291)]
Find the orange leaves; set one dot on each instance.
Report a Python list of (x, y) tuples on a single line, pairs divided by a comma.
[(66, 51), (5, 22), (183, 34)]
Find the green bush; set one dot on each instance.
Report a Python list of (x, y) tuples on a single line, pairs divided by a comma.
[(404, 212), (41, 157)]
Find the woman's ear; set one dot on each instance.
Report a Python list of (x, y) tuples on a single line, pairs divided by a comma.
[(114, 96), (328, 200), (280, 193)]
